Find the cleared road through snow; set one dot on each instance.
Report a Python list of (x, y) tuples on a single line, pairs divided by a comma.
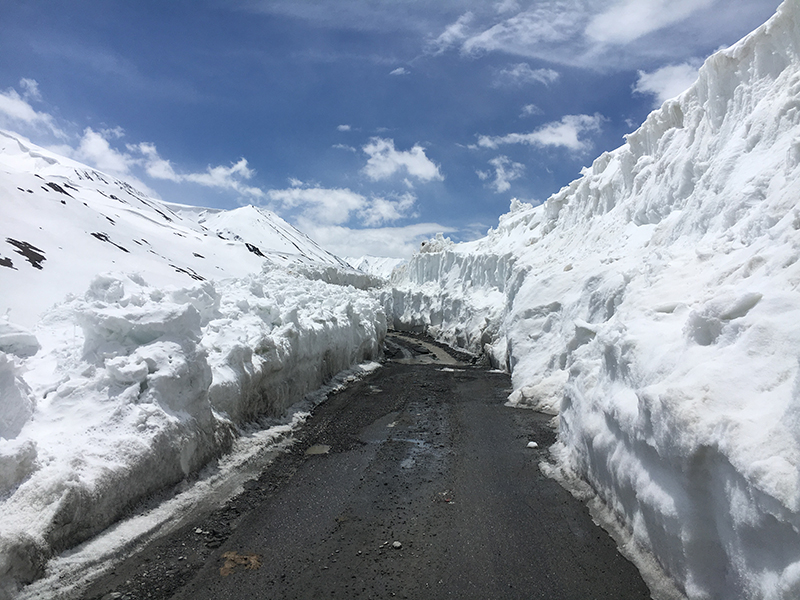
[(415, 482)]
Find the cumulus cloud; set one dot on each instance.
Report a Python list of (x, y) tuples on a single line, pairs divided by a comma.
[(384, 161), (569, 133), (155, 166), (231, 177), (388, 210), (344, 128), (17, 112), (667, 82), (337, 206), (505, 171), (95, 149), (321, 205)]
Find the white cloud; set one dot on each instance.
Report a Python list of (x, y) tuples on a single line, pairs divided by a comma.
[(384, 161), (345, 147), (522, 73), (17, 112), (227, 178), (155, 166), (506, 6), (528, 33), (95, 149), (505, 171), (628, 20), (113, 132), (337, 206), (231, 177), (320, 205), (454, 34), (604, 35), (400, 71), (531, 110), (400, 242), (344, 128), (569, 133), (387, 210), (667, 82), (30, 89)]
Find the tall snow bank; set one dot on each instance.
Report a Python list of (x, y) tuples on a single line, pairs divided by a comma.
[(452, 292), (653, 304), (136, 387)]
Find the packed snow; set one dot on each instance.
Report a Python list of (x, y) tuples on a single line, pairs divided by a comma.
[(139, 338), (653, 306)]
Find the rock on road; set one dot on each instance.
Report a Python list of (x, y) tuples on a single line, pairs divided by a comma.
[(414, 482)]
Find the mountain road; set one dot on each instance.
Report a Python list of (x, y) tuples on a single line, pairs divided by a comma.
[(413, 482)]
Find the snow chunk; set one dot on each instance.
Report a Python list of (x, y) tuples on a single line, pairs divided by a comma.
[(17, 403), (436, 244), (17, 340)]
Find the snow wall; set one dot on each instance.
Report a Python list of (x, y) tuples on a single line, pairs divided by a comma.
[(134, 388), (653, 305)]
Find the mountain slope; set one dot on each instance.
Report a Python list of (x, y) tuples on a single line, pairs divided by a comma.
[(63, 222)]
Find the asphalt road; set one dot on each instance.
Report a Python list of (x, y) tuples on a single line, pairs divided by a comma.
[(415, 482)]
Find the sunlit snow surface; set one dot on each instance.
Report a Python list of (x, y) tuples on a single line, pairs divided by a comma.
[(653, 305), (137, 339)]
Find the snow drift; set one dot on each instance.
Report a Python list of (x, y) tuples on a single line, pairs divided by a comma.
[(138, 337), (653, 305)]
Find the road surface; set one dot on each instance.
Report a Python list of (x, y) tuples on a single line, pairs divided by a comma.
[(415, 482)]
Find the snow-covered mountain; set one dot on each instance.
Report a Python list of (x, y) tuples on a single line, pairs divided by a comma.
[(653, 305), (379, 266), (64, 222), (139, 337)]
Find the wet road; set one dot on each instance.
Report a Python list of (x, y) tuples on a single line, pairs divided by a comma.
[(415, 482)]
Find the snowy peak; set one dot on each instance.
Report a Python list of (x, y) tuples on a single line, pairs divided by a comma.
[(63, 222), (263, 231)]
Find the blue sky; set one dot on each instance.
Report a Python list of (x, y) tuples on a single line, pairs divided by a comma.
[(369, 125)]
